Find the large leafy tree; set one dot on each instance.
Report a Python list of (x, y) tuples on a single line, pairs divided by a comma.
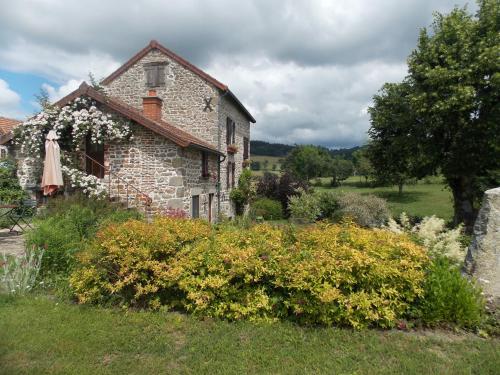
[(394, 155), (362, 163), (453, 94), (455, 78), (340, 170), (308, 161)]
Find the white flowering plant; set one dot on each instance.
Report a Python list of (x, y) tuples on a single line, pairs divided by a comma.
[(72, 124), (89, 184), (432, 233)]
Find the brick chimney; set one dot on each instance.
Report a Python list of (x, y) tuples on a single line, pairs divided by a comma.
[(151, 106)]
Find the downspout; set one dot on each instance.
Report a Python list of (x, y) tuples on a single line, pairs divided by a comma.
[(219, 161)]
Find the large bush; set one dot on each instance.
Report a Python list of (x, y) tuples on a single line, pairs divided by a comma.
[(242, 195), (328, 202), (304, 207), (63, 228), (131, 263), (268, 186), (268, 209), (366, 210), (10, 190), (449, 297), (289, 185), (325, 274)]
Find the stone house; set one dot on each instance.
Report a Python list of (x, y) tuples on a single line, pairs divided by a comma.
[(191, 135)]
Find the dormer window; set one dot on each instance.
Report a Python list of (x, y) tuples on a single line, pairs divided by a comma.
[(155, 74)]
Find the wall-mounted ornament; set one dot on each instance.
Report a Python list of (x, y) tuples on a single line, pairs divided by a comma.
[(208, 104)]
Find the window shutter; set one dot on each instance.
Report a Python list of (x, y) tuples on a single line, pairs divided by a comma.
[(149, 76), (160, 75), (234, 132), (227, 175), (228, 131)]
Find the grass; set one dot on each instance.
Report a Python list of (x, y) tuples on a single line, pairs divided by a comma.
[(422, 199), (40, 336), (271, 160)]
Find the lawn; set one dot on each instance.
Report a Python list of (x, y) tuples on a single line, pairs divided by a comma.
[(39, 335), (422, 199)]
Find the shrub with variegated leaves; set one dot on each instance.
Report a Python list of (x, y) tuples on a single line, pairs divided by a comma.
[(324, 274)]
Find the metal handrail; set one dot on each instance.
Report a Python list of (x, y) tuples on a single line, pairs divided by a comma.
[(146, 197)]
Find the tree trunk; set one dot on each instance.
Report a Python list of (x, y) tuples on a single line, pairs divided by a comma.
[(400, 188), (463, 198)]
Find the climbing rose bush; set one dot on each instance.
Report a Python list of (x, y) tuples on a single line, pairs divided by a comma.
[(324, 274), (90, 185), (72, 123)]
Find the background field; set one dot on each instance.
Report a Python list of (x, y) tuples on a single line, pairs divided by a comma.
[(267, 167), (421, 199)]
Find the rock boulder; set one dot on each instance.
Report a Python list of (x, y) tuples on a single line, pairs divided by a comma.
[(483, 256)]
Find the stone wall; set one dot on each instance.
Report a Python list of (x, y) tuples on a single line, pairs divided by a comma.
[(183, 95), (170, 175), (228, 109)]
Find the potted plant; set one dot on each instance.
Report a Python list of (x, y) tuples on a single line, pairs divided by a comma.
[(232, 149)]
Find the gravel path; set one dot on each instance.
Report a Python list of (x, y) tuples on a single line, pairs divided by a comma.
[(11, 243)]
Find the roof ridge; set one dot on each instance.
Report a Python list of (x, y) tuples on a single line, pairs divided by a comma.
[(153, 44)]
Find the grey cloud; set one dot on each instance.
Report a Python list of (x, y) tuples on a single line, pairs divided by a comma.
[(306, 69)]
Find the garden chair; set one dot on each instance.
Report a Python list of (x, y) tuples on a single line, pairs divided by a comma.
[(21, 215)]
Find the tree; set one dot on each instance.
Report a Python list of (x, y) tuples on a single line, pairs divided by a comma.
[(454, 75), (391, 151), (290, 185), (362, 164), (255, 165), (268, 186), (340, 169), (307, 162)]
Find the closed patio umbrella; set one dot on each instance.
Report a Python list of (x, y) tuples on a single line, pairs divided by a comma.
[(52, 175)]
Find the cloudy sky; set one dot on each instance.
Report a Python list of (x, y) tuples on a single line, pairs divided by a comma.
[(305, 69)]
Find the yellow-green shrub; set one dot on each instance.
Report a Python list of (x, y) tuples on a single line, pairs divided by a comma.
[(129, 263), (349, 275), (231, 275), (323, 274)]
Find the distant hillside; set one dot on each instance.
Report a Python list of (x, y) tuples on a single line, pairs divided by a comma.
[(269, 149), (262, 148)]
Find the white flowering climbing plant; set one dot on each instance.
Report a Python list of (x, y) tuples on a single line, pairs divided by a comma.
[(89, 184), (73, 123)]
